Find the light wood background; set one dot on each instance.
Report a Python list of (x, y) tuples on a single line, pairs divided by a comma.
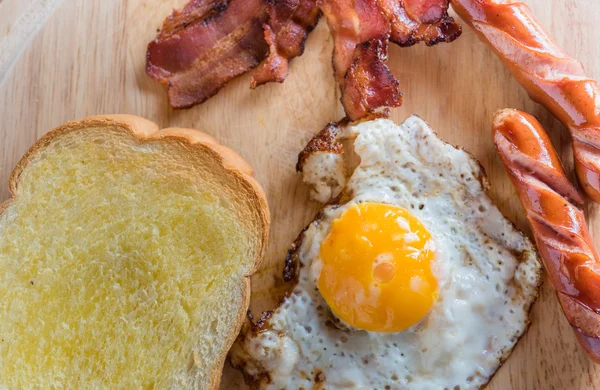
[(66, 59)]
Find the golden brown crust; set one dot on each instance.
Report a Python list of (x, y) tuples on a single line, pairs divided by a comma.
[(147, 131), (326, 140), (292, 260)]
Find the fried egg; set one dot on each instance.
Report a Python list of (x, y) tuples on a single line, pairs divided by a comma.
[(410, 278)]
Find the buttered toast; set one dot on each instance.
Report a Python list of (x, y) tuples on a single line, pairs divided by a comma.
[(125, 254)]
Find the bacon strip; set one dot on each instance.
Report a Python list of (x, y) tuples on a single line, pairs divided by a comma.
[(360, 33), (415, 21), (351, 23), (210, 42), (204, 46), (368, 83), (290, 22)]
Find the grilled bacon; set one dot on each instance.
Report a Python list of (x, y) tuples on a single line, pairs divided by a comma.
[(290, 22), (360, 35), (204, 46), (209, 42), (369, 84), (414, 21)]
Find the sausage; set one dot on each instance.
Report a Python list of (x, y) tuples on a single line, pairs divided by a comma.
[(552, 207), (547, 73)]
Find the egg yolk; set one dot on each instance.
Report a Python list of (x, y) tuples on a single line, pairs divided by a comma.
[(377, 268)]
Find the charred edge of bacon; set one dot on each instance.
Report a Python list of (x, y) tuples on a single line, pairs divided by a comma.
[(408, 29), (368, 83), (193, 11), (448, 31), (286, 37), (275, 68)]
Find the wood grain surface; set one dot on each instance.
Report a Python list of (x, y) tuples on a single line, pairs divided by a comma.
[(65, 59)]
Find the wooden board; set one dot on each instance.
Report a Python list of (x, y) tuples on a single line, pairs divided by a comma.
[(65, 59)]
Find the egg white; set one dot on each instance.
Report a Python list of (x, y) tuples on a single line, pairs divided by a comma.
[(489, 275)]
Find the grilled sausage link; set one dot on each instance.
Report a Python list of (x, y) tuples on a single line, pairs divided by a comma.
[(551, 205), (549, 75)]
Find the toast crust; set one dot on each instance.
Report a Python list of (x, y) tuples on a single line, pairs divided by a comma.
[(229, 161)]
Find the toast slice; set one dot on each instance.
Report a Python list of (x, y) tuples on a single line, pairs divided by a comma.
[(125, 253)]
